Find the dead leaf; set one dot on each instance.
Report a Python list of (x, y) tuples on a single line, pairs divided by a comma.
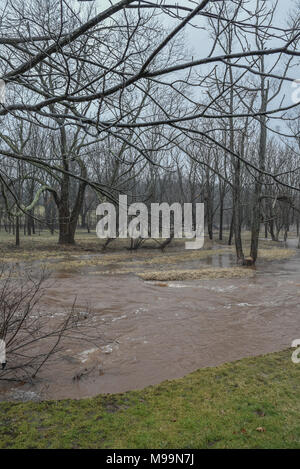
[(260, 429)]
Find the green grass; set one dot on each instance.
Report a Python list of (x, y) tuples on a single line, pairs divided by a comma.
[(252, 403)]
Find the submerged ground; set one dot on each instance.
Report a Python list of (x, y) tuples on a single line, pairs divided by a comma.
[(156, 316)]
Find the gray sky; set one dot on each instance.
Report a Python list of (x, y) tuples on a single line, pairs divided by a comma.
[(198, 44), (284, 6), (197, 39)]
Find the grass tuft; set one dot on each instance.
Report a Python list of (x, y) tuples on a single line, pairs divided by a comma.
[(204, 274)]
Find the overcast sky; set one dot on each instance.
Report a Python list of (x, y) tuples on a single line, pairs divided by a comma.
[(284, 6), (197, 39), (194, 36)]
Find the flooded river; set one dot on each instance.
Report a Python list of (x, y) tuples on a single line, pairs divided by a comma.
[(149, 332)]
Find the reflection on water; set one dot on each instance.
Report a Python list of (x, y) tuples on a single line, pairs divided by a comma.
[(146, 334), (221, 260)]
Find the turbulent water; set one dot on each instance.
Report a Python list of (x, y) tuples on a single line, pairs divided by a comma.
[(142, 333)]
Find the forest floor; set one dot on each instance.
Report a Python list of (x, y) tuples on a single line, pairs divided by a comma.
[(251, 403), (149, 262)]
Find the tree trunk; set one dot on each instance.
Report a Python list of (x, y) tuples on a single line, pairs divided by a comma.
[(65, 235), (17, 231), (237, 225), (28, 219), (256, 213), (68, 219), (231, 231), (271, 228), (221, 219)]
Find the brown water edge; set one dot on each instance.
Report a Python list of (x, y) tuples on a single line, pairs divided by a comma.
[(146, 334)]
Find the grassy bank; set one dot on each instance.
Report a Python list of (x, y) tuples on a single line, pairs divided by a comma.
[(252, 403)]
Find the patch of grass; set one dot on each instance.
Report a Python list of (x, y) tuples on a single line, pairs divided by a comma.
[(43, 247), (136, 259), (27, 256), (275, 254), (193, 274), (84, 241), (251, 403), (140, 258)]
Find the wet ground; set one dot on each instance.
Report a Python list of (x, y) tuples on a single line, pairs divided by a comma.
[(142, 333)]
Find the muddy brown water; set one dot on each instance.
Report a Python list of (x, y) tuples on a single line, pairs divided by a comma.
[(144, 333)]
